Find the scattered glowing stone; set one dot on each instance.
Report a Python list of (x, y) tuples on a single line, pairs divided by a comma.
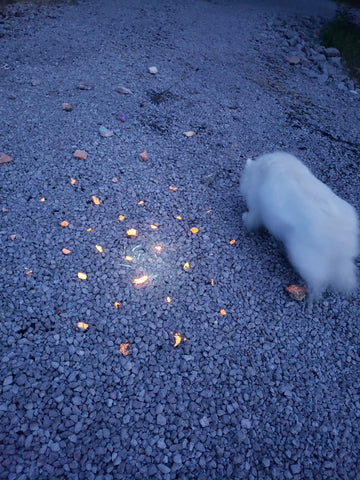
[(178, 338), (144, 155), (189, 134), (168, 299), (132, 232), (173, 188), (223, 312), (117, 304), (65, 251), (194, 230), (96, 200), (72, 181), (81, 154), (125, 348), (141, 280), (82, 276), (178, 217), (42, 199), (12, 237), (121, 218), (99, 248), (209, 211), (158, 248), (232, 241), (141, 202), (154, 227), (186, 265), (89, 229), (114, 180), (29, 272), (212, 281), (64, 223), (129, 258), (82, 326)]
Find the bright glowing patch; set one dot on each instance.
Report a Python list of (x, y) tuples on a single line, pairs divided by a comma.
[(64, 224), (132, 232), (42, 199), (194, 230), (121, 218), (125, 348), (173, 188), (168, 299), (128, 258), (212, 281), (186, 265), (96, 200), (178, 217), (65, 251), (158, 248), (82, 276), (89, 229), (72, 181), (154, 227), (82, 326), (232, 241), (209, 211), (223, 312), (99, 248), (141, 202), (141, 280), (117, 305), (178, 338)]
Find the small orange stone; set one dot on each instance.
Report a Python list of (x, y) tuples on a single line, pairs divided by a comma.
[(64, 223), (4, 158), (65, 251), (81, 154), (144, 155)]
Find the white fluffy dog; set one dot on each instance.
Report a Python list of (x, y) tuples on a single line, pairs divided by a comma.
[(319, 230)]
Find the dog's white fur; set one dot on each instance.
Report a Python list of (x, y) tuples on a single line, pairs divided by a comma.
[(319, 230)]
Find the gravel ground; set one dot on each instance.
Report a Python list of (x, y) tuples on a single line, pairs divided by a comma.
[(264, 390)]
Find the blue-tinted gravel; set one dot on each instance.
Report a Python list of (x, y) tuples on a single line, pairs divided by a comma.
[(267, 391)]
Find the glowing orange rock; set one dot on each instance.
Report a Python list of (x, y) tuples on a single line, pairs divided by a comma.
[(173, 188), (125, 348), (82, 326), (121, 218), (64, 224), (186, 265), (223, 312), (82, 276), (65, 251), (132, 232), (116, 304), (194, 230), (72, 181), (232, 241), (96, 200), (178, 338), (99, 248), (141, 280)]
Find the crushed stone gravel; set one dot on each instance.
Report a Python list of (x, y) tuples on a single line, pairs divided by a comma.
[(270, 390)]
